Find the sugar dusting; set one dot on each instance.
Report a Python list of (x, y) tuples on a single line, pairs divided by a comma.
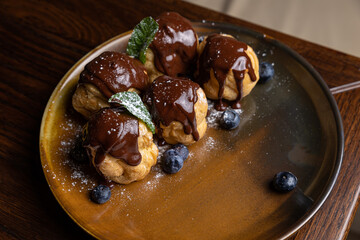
[(162, 149), (210, 144), (79, 178), (153, 182)]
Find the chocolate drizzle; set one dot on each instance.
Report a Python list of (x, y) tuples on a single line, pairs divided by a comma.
[(174, 45), (110, 131), (173, 99), (114, 72), (222, 53)]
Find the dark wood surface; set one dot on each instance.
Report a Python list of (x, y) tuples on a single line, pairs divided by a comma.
[(41, 40)]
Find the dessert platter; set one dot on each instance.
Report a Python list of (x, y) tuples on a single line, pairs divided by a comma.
[(175, 130)]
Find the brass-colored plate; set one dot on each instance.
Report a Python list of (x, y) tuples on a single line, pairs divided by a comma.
[(290, 123)]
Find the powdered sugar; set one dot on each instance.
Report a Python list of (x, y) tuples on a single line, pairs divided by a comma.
[(70, 174), (162, 149), (210, 144)]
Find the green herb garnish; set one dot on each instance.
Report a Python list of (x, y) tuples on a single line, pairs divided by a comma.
[(132, 102), (141, 37)]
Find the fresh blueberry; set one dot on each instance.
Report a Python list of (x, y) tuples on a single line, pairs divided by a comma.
[(101, 194), (229, 119), (182, 150), (266, 72), (201, 38), (172, 162), (284, 181), (78, 153)]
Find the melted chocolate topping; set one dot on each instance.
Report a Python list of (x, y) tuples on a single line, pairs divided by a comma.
[(114, 72), (174, 45), (110, 131), (222, 53), (173, 99)]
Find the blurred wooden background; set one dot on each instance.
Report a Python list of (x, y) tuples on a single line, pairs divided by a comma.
[(332, 23)]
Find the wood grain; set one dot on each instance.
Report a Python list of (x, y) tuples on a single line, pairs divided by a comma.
[(41, 40)]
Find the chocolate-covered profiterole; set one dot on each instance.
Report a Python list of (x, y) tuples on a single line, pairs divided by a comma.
[(174, 100), (114, 72), (174, 47), (229, 62), (120, 146), (111, 132), (107, 74)]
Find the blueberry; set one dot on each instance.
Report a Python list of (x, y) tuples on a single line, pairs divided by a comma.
[(284, 181), (182, 150), (78, 153), (201, 38), (101, 194), (172, 162), (229, 119), (266, 71)]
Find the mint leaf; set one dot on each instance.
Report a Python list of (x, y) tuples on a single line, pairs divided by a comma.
[(132, 102), (141, 37)]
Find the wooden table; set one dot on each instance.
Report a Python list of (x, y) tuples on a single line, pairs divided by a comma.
[(41, 40)]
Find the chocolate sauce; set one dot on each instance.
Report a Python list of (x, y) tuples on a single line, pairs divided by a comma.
[(173, 99), (222, 53), (174, 45), (113, 72), (111, 131)]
